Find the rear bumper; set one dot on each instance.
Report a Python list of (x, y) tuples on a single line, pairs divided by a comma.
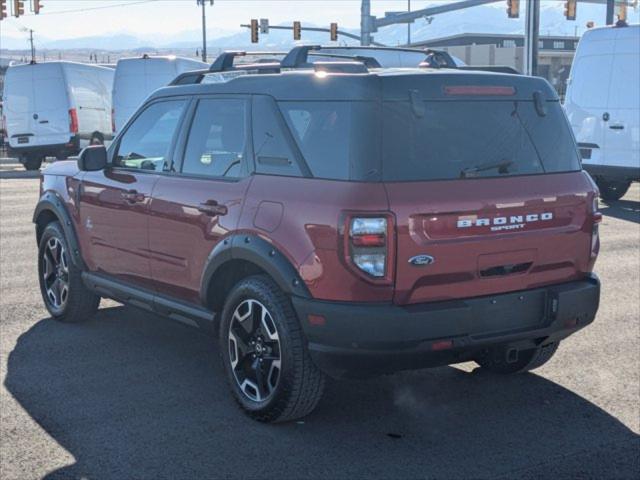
[(608, 172), (368, 339), (72, 147)]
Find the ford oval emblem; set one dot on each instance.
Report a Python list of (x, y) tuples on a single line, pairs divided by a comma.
[(420, 260)]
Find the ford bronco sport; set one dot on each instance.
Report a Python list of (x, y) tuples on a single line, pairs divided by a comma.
[(332, 219)]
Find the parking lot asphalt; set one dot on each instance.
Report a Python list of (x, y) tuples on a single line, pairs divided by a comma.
[(132, 395)]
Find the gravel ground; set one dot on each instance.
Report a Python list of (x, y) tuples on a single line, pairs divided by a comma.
[(132, 395)]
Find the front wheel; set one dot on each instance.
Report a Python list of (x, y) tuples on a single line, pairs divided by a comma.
[(612, 190), (264, 353), (64, 294), (497, 359)]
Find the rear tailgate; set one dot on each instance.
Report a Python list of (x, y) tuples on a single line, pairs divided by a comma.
[(490, 235), (483, 175)]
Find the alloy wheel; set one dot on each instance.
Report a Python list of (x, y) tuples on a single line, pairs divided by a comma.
[(254, 350), (55, 272)]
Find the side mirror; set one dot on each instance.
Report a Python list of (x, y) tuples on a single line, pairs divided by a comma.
[(93, 158)]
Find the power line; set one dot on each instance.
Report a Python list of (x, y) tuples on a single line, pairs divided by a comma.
[(80, 10)]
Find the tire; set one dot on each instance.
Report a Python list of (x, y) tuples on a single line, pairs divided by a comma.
[(612, 190), (33, 163), (494, 359), (293, 385), (96, 139), (68, 300)]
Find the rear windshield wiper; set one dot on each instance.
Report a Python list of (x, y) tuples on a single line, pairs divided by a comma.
[(503, 167)]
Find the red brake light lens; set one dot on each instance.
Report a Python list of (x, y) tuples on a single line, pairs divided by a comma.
[(489, 90), (73, 120)]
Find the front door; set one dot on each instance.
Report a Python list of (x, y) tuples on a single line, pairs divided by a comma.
[(194, 208), (114, 203)]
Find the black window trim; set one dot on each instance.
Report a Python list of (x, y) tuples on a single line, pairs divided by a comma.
[(115, 145), (183, 137)]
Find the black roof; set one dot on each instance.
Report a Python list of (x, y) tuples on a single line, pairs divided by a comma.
[(297, 77), (385, 84)]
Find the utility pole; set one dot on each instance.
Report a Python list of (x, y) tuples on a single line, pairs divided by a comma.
[(33, 49), (532, 32), (409, 24), (365, 23), (204, 27), (611, 5)]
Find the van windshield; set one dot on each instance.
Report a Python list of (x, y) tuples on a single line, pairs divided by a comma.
[(395, 141)]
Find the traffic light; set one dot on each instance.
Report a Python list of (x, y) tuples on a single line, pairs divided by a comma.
[(37, 5), (297, 31), (3, 9), (513, 8), (570, 9), (334, 32), (18, 8), (264, 25), (254, 31)]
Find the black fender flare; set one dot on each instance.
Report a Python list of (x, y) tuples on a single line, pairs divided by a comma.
[(261, 253), (52, 202)]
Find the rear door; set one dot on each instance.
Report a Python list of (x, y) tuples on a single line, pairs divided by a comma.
[(588, 94), (51, 121), (114, 203), (19, 105), (488, 197), (622, 131), (194, 208)]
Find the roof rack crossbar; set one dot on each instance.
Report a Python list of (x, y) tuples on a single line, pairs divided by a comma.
[(298, 56), (225, 60), (368, 62)]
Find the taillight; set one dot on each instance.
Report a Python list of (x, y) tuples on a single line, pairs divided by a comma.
[(368, 245), (595, 231), (73, 120), (113, 120)]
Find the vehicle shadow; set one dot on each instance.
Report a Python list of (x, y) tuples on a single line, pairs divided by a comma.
[(131, 395), (622, 209)]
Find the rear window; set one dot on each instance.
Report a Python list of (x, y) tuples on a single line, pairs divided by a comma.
[(464, 139)]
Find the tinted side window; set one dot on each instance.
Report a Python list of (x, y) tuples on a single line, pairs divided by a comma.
[(217, 140), (273, 152), (322, 131), (146, 142)]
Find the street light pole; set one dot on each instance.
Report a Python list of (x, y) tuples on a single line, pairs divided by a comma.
[(409, 24), (532, 29), (204, 27)]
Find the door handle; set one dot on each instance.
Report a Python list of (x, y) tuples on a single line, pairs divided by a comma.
[(43, 121), (132, 196), (211, 208), (616, 127)]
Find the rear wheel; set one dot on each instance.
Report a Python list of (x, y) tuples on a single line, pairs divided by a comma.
[(33, 162), (497, 359), (612, 190), (63, 292), (263, 350)]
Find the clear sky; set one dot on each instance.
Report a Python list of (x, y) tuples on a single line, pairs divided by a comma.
[(64, 19), (174, 16)]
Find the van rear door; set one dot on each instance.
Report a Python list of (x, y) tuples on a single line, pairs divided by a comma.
[(19, 105), (487, 190), (51, 118)]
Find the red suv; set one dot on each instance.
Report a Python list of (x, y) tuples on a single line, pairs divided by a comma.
[(327, 218)]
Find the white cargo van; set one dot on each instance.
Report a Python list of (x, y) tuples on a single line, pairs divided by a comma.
[(137, 78), (55, 109), (603, 106)]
